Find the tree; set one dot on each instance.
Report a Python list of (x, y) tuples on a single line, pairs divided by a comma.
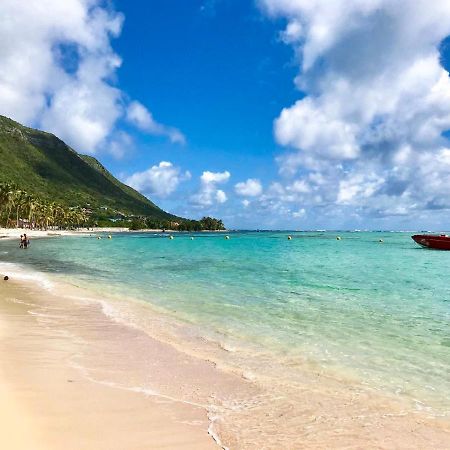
[(38, 212)]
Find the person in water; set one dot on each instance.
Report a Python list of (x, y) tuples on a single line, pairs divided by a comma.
[(26, 241), (21, 241)]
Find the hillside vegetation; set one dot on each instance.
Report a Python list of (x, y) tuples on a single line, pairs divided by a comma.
[(44, 183), (45, 166)]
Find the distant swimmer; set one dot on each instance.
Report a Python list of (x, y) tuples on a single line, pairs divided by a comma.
[(24, 241)]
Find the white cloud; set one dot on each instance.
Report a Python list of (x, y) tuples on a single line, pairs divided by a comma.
[(120, 144), (221, 197), (250, 188), (214, 177), (80, 106), (358, 186), (160, 181), (58, 69), (209, 194), (308, 126), (300, 186), (300, 213), (368, 133), (139, 115)]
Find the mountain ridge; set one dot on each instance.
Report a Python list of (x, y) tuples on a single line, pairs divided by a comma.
[(44, 165)]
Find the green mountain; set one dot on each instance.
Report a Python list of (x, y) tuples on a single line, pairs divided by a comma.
[(45, 166)]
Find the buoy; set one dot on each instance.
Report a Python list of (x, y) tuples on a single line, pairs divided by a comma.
[(338, 238), (381, 240), (192, 238), (170, 237), (109, 237), (289, 238), (227, 237), (99, 237)]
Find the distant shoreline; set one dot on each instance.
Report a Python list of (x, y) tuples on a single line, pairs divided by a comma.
[(13, 233)]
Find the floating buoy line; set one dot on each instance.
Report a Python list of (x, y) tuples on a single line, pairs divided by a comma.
[(227, 237)]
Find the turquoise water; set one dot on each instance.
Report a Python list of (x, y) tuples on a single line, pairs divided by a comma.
[(378, 312)]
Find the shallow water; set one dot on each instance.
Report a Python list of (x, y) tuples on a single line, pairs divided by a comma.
[(376, 313)]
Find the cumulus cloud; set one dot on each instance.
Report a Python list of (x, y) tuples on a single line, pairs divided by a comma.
[(209, 194), (139, 115), (250, 188), (119, 144), (214, 177), (160, 181), (221, 197), (300, 213), (367, 130), (58, 69)]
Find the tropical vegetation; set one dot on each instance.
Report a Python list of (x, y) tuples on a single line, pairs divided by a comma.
[(204, 224), (19, 208)]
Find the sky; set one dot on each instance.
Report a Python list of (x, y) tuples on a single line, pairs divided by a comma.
[(281, 114)]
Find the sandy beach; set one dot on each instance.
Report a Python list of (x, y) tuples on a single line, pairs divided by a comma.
[(46, 403), (14, 233), (72, 377)]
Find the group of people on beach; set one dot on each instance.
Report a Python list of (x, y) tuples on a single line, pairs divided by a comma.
[(24, 241)]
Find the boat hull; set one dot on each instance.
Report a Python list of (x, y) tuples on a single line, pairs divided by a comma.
[(432, 241)]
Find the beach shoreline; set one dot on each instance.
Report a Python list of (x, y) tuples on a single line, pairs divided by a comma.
[(56, 403), (14, 233), (69, 356)]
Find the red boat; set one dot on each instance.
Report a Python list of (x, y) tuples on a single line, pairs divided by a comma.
[(438, 242)]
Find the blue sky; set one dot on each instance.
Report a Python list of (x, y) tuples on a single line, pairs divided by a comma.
[(292, 114), (217, 71)]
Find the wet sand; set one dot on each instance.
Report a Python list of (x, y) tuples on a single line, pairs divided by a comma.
[(71, 377), (46, 402)]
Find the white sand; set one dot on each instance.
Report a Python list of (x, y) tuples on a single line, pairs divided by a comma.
[(46, 403)]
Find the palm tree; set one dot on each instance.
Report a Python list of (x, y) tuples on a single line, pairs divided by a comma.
[(20, 200), (5, 188), (32, 204), (11, 202)]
